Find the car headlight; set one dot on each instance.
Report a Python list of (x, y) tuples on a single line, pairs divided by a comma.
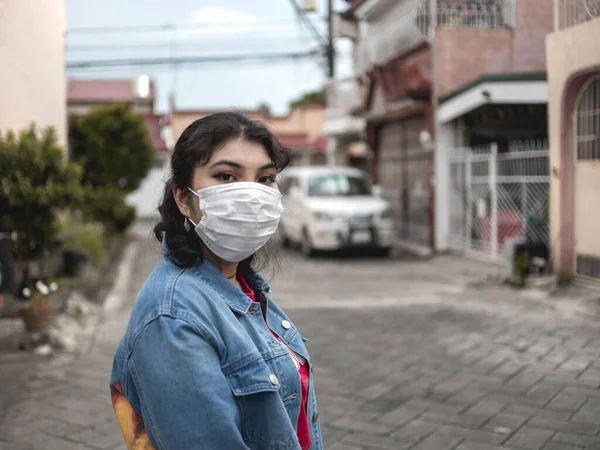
[(387, 214)]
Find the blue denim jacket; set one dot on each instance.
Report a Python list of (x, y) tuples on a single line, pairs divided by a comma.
[(198, 364)]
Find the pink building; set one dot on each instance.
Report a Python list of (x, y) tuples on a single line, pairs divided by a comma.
[(32, 78), (84, 94), (300, 130), (432, 76)]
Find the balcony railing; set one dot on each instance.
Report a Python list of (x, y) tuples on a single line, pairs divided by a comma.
[(469, 14), (409, 22), (573, 12), (342, 96)]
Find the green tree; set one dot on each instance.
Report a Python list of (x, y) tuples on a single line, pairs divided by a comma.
[(36, 183), (310, 98), (107, 206), (113, 146)]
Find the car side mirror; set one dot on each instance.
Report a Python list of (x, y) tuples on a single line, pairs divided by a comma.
[(377, 190)]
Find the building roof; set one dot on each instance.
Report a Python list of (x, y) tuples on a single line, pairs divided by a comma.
[(102, 91), (294, 140)]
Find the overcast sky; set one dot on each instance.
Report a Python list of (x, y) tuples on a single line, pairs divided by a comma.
[(217, 27)]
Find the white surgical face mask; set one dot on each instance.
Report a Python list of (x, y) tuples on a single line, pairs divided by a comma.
[(237, 218)]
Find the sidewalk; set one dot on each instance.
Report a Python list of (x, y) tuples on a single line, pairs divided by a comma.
[(63, 403), (407, 356)]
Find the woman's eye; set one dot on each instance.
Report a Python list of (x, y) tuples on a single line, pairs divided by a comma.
[(267, 180), (225, 177)]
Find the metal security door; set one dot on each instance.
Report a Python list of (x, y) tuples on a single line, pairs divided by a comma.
[(404, 174)]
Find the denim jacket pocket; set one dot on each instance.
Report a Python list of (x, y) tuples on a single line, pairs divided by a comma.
[(252, 378), (263, 418)]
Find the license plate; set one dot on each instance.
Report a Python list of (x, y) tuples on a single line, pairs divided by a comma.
[(361, 237)]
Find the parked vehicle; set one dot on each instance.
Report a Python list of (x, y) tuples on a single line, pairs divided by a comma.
[(333, 208)]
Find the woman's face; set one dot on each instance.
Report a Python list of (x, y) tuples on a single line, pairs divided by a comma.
[(238, 160)]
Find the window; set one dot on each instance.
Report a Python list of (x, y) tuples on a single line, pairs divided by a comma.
[(588, 122), (335, 185)]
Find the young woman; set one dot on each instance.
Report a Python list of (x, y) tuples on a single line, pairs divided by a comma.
[(209, 361)]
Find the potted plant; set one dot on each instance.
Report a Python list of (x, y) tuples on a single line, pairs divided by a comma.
[(36, 305)]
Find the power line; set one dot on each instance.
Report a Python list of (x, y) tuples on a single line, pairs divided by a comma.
[(168, 45), (301, 14), (259, 57), (171, 26)]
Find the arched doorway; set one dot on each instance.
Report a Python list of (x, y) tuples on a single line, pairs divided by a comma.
[(586, 179)]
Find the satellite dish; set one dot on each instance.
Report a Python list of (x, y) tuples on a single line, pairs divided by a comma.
[(309, 5), (142, 86)]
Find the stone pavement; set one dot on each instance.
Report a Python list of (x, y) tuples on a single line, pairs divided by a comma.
[(406, 354)]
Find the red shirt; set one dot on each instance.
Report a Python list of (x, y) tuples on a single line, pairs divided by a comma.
[(303, 427)]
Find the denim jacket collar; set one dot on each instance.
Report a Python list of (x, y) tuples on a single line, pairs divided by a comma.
[(235, 299)]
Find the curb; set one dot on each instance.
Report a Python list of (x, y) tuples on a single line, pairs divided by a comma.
[(114, 299), (116, 296)]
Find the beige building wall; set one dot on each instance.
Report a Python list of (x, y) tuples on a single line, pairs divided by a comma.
[(32, 71), (304, 119), (569, 52)]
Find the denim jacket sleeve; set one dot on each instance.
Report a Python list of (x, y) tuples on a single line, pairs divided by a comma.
[(186, 401)]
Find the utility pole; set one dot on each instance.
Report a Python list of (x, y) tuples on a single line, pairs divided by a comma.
[(330, 45)]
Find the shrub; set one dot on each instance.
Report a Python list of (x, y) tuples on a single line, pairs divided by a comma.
[(85, 236), (36, 182), (113, 146), (107, 206)]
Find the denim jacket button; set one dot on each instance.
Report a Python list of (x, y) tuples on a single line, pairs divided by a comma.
[(286, 324), (274, 380), (315, 417)]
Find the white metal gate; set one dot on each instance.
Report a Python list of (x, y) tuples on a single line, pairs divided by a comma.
[(496, 197)]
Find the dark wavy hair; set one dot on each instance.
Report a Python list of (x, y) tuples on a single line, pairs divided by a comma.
[(194, 148)]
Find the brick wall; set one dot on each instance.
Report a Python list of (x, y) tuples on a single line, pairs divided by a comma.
[(32, 74), (464, 54)]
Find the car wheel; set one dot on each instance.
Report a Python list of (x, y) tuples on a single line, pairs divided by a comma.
[(384, 252), (306, 246)]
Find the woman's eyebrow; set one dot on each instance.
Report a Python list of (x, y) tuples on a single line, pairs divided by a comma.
[(226, 162), (236, 165), (270, 165)]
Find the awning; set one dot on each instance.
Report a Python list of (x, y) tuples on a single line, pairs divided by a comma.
[(528, 88)]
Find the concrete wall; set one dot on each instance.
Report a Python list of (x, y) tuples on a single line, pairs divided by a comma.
[(32, 58), (302, 119), (573, 57), (464, 54)]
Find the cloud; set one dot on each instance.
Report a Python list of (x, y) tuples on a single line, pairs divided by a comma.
[(222, 16), (222, 21)]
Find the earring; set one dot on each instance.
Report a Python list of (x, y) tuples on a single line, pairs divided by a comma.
[(186, 224)]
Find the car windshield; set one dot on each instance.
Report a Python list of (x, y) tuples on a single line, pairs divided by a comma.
[(338, 184)]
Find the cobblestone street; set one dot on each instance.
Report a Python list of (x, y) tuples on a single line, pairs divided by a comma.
[(406, 354)]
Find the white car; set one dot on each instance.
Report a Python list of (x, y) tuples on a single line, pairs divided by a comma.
[(333, 208)]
